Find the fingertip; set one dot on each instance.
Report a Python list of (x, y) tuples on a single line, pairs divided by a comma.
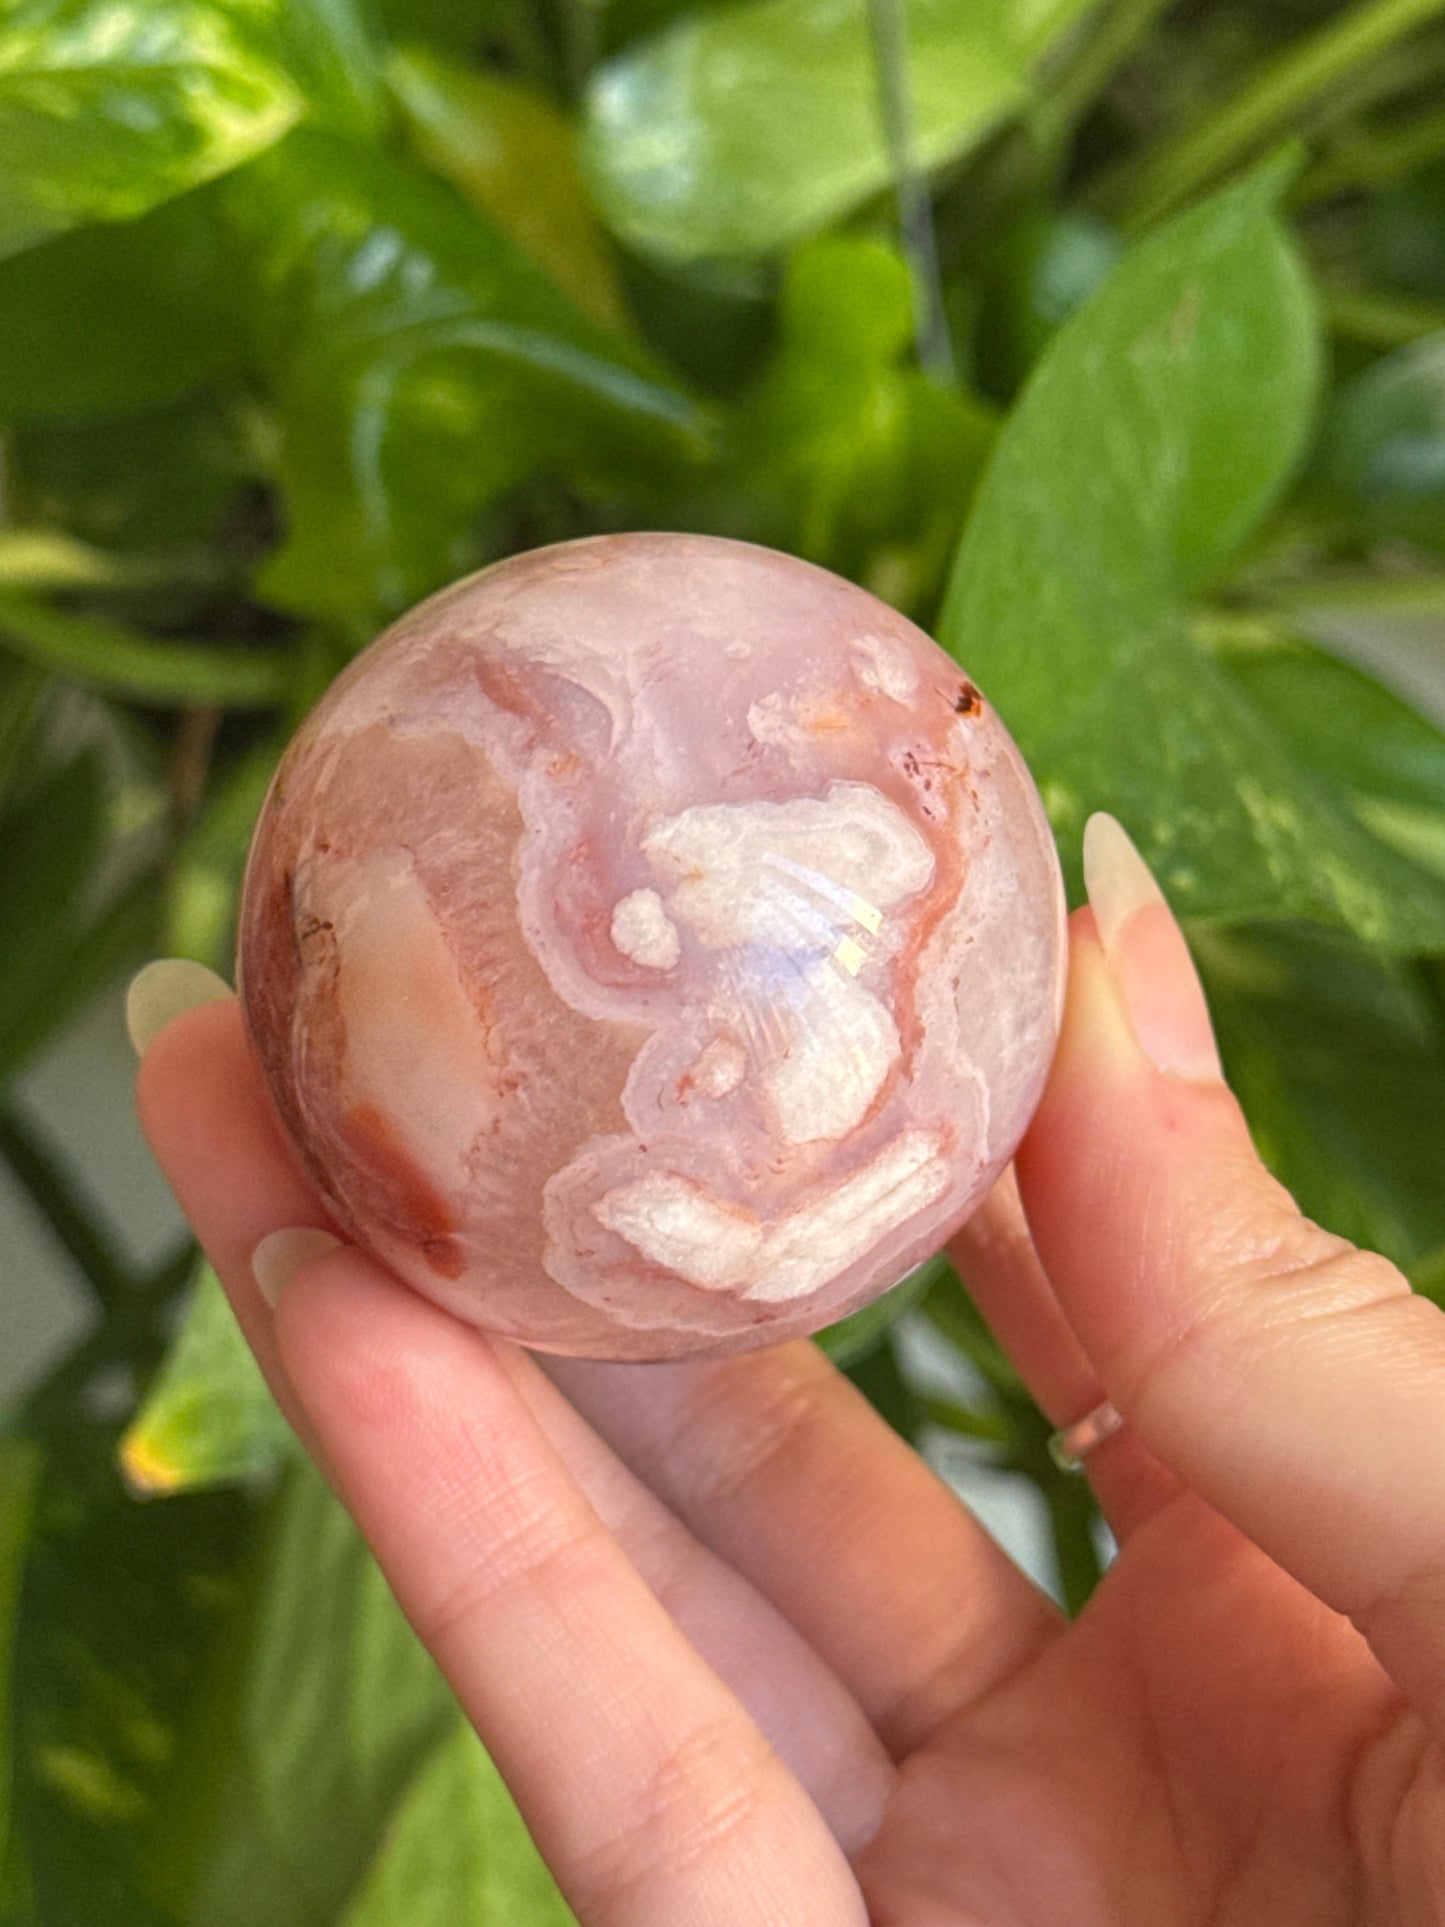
[(162, 991), (281, 1254)]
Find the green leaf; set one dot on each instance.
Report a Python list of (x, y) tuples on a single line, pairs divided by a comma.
[(20, 1467), (42, 561), (157, 478), (50, 844), (739, 130), (119, 1606), (1157, 430), (75, 874), (108, 107), (843, 452), (508, 151), (1383, 448), (331, 49), (1427, 1274), (23, 690), (1383, 754), (510, 33), (116, 316), (105, 656), (422, 366), (457, 1850), (208, 1418), (1043, 269), (325, 1707), (878, 1373), (1339, 1061), (852, 1337), (1163, 422), (204, 878), (96, 949), (1404, 232)]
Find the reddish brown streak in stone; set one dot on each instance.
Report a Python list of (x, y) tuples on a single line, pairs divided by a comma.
[(421, 1213)]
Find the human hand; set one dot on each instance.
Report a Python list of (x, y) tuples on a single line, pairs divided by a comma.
[(743, 1659)]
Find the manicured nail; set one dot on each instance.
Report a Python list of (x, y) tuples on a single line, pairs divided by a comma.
[(1148, 956), (162, 990), (281, 1254)]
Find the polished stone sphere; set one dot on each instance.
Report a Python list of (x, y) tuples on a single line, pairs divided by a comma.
[(654, 945)]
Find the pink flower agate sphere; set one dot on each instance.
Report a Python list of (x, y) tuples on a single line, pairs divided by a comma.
[(654, 945)]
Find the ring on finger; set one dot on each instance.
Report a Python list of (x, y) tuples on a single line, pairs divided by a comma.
[(1072, 1444)]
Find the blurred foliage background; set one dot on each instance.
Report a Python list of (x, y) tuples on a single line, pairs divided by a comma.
[(1105, 337)]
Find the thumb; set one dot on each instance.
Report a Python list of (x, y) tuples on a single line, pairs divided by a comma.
[(1294, 1382)]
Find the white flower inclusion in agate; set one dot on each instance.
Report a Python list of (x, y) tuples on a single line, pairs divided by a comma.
[(654, 945)]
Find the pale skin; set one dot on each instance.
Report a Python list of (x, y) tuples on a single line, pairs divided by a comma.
[(746, 1662)]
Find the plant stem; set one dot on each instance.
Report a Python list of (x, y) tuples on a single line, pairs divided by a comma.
[(52, 1194), (910, 187), (191, 760), (1265, 107)]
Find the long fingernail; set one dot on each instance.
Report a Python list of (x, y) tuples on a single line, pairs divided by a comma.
[(1147, 954), (281, 1254), (162, 990)]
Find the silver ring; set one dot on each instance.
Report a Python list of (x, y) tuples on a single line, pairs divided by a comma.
[(1072, 1444)]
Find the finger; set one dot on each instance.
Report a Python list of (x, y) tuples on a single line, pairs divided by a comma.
[(783, 1468), (650, 1791), (803, 1710), (210, 1121), (1002, 1271), (1292, 1381)]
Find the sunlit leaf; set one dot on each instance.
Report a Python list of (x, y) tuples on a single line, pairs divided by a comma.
[(743, 128), (108, 107), (208, 1418)]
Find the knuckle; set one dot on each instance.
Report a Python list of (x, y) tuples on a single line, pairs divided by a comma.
[(1264, 1278)]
